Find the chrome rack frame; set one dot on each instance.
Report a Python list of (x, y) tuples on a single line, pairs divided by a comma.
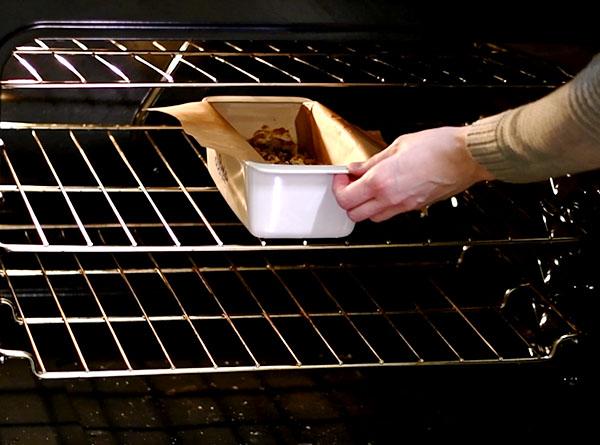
[(267, 316)]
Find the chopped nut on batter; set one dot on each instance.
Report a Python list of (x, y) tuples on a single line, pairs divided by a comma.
[(277, 147)]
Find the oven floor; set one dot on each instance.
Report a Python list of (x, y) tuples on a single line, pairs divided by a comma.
[(345, 406)]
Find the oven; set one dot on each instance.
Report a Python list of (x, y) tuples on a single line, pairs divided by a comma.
[(137, 308)]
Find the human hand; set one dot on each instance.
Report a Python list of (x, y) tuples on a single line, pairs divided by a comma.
[(416, 170)]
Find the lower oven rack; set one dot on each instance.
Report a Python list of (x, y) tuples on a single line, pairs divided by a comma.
[(105, 315)]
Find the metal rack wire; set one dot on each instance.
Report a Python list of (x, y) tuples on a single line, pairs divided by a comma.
[(92, 63), (109, 315), (148, 189)]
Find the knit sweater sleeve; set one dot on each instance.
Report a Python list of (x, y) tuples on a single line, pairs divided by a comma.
[(553, 136)]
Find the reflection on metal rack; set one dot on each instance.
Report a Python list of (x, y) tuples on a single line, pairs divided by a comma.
[(107, 315), (148, 189), (89, 63)]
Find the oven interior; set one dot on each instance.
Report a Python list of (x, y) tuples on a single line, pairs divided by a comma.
[(122, 263)]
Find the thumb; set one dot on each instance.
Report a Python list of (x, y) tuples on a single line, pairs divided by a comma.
[(357, 169), (360, 168)]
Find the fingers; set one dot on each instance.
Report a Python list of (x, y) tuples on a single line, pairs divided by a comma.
[(340, 182), (377, 211), (364, 196), (349, 193), (365, 210), (389, 212)]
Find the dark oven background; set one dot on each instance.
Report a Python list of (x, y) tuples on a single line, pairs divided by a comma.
[(426, 270)]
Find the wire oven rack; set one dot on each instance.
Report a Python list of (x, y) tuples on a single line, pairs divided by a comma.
[(107, 63), (123, 259), (66, 180), (111, 315), (148, 189)]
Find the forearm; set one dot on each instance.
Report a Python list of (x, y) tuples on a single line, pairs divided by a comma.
[(555, 135)]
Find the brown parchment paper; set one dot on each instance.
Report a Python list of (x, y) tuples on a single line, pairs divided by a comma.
[(201, 121), (225, 123)]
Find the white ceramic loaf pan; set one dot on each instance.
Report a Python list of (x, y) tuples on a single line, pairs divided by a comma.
[(286, 201), (275, 200)]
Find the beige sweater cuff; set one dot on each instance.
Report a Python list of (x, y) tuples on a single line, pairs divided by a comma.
[(482, 142)]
